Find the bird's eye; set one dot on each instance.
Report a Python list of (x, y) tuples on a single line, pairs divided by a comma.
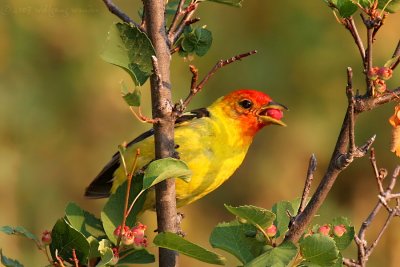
[(246, 104)]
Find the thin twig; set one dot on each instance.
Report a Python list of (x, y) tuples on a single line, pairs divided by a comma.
[(312, 167), (176, 30), (119, 13), (376, 171), (351, 101), (349, 263), (396, 54), (178, 13), (75, 258), (368, 58), (198, 87), (351, 26)]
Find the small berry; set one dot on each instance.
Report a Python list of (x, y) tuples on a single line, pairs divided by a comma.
[(128, 238), (46, 237), (373, 73), (324, 229), (271, 231), (115, 258), (140, 239), (339, 230), (385, 73)]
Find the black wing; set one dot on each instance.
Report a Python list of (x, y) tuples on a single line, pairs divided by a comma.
[(101, 185)]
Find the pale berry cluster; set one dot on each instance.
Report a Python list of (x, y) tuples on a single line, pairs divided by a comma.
[(379, 75), (132, 236), (338, 230)]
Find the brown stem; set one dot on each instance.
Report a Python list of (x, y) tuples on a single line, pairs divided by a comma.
[(164, 129), (119, 13), (368, 59), (312, 167), (176, 30), (351, 26), (396, 54)]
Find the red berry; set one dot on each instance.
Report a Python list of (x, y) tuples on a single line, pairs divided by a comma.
[(46, 237), (373, 73), (271, 231), (385, 73), (324, 229), (339, 230), (380, 86), (117, 231)]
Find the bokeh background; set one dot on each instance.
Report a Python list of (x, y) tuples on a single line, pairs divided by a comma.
[(62, 116)]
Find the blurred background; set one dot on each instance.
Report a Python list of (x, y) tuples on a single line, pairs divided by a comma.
[(62, 116)]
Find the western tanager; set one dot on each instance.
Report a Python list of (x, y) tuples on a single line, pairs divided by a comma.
[(213, 142)]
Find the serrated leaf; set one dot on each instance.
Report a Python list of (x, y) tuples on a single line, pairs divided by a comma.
[(319, 249), (132, 256), (113, 211), (18, 230), (345, 240), (198, 41), (232, 237), (129, 48), (253, 215), (65, 239), (83, 221), (392, 6), (175, 242), (366, 3), (235, 3), (281, 255), (7, 262), (346, 8), (162, 169), (133, 98), (281, 210)]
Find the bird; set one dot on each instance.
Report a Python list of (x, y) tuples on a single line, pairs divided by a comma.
[(213, 141)]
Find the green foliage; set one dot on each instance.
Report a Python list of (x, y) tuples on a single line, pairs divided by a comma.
[(256, 216), (391, 6), (83, 221), (281, 255), (319, 250), (133, 98), (281, 210), (112, 213), (233, 237), (65, 239), (346, 8), (132, 256), (7, 262), (20, 231), (129, 48), (345, 240), (162, 169), (197, 41), (106, 253), (175, 242)]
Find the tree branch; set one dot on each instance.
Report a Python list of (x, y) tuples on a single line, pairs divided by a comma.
[(119, 13), (164, 129)]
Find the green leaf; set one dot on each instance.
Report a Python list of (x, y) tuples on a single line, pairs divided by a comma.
[(392, 6), (346, 8), (172, 6), (94, 247), (366, 3), (235, 3), (281, 255), (129, 48), (319, 249), (281, 210), (345, 240), (253, 215), (7, 262), (18, 230), (132, 256), (233, 237), (197, 41), (65, 238), (113, 211), (391, 61), (133, 98), (106, 253), (175, 242), (162, 169), (83, 221)]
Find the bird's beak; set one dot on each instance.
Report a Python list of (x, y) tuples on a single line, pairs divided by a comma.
[(272, 113)]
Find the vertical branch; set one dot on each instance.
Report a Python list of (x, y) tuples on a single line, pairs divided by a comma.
[(164, 129), (368, 54)]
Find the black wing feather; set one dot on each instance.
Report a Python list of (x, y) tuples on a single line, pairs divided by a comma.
[(101, 185)]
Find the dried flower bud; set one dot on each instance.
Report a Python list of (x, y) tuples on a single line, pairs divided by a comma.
[(380, 86), (324, 229), (385, 73), (117, 231), (339, 230), (115, 258), (271, 231), (46, 237), (128, 238)]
